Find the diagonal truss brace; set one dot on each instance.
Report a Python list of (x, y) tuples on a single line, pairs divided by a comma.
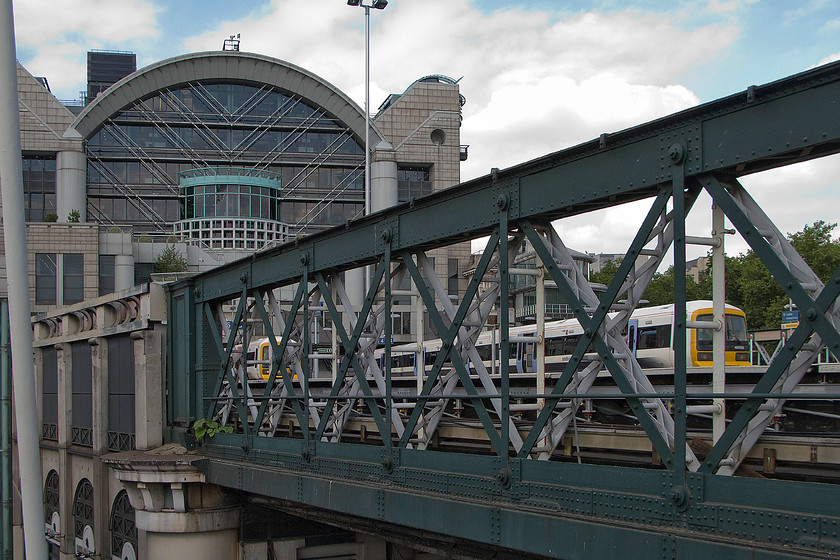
[(611, 346), (802, 285), (478, 310)]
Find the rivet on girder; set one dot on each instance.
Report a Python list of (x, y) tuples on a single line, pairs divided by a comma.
[(676, 152), (304, 259), (385, 236), (504, 478), (502, 201)]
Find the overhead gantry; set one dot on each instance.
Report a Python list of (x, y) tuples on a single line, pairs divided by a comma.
[(331, 428)]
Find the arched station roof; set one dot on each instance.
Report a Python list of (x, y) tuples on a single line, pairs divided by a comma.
[(248, 68)]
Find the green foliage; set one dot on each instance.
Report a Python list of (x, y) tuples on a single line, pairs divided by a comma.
[(73, 217), (605, 275), (209, 428), (750, 286), (660, 291), (51, 218), (170, 260)]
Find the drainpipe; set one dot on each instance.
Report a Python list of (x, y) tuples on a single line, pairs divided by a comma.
[(14, 230)]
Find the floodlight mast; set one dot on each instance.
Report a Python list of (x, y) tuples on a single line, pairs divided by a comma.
[(377, 5)]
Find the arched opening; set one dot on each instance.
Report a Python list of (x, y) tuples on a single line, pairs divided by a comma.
[(83, 518), (123, 529)]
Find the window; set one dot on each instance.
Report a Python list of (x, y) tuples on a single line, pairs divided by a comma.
[(52, 499), (83, 516), (143, 272), (81, 429), (38, 188), (736, 333), (452, 278), (107, 274), (654, 337), (45, 278), (412, 182), (123, 528), (49, 376), (121, 432), (73, 278)]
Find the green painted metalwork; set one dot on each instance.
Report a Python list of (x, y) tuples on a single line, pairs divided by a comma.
[(349, 448)]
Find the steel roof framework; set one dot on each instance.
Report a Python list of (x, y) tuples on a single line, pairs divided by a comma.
[(514, 496)]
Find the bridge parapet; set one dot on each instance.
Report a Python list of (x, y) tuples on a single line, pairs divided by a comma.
[(277, 350)]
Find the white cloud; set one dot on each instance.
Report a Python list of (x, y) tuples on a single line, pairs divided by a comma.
[(53, 38), (830, 58), (535, 81), (96, 20)]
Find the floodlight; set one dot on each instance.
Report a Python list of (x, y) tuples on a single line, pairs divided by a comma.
[(354, 2), (380, 4)]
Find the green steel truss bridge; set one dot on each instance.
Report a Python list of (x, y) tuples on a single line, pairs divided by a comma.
[(349, 439)]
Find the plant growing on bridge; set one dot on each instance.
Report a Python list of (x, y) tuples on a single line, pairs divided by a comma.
[(209, 428)]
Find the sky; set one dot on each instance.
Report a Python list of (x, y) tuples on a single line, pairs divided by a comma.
[(538, 76)]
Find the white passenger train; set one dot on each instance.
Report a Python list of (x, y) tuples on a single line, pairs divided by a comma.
[(649, 336)]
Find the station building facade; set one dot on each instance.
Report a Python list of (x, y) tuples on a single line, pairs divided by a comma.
[(217, 154)]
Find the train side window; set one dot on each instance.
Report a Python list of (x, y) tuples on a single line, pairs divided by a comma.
[(431, 357), (654, 337), (485, 352), (570, 343), (554, 347)]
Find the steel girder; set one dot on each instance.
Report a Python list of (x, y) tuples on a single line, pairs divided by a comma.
[(363, 445)]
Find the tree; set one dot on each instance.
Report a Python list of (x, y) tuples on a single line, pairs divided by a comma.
[(73, 217), (605, 275), (170, 260), (750, 286)]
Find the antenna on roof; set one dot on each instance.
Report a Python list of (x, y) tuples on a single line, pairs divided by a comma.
[(232, 43)]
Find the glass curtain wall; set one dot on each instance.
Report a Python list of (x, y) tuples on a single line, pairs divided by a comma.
[(135, 158)]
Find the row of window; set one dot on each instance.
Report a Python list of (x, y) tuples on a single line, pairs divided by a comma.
[(231, 201), (121, 421), (138, 174), (245, 125), (254, 140), (69, 268), (227, 101), (122, 527), (121, 209)]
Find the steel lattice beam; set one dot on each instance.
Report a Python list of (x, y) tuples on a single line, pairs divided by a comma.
[(356, 454)]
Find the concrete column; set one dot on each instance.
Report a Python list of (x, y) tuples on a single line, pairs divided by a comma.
[(149, 360), (99, 370), (70, 181), (177, 515), (383, 182), (123, 272), (66, 486)]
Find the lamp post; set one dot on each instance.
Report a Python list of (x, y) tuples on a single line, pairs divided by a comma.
[(377, 5)]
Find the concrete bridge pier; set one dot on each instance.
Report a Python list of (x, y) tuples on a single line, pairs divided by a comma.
[(176, 514)]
